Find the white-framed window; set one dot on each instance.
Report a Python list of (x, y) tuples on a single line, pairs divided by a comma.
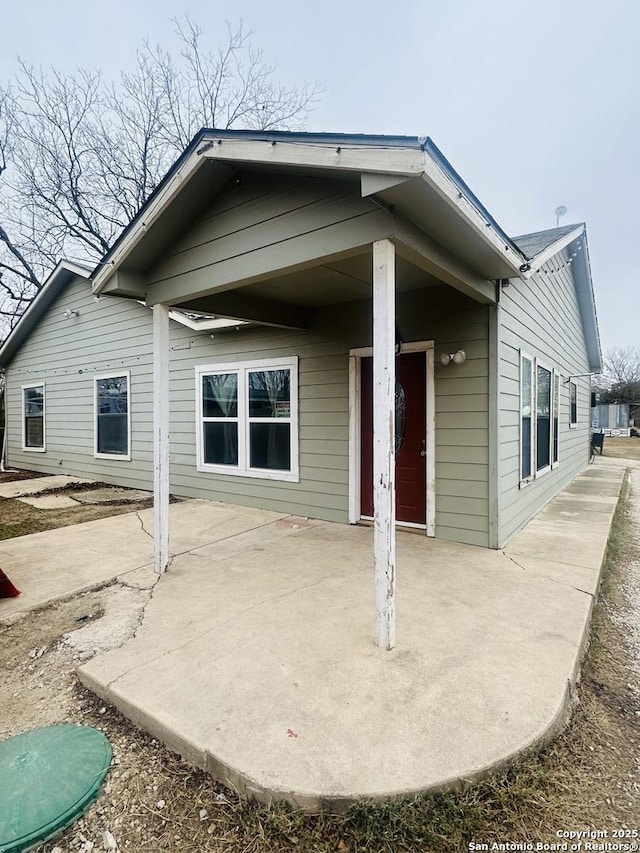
[(544, 418), (247, 419), (555, 456), (526, 418), (112, 416), (33, 417), (573, 405), (539, 420)]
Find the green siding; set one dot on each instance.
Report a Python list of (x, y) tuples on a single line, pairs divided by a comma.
[(114, 334), (540, 316)]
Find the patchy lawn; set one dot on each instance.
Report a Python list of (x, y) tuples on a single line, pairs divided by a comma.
[(587, 779)]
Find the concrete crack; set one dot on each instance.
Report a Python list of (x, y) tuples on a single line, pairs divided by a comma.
[(142, 527), (548, 578), (211, 630)]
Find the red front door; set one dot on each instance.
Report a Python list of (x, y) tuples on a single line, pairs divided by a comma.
[(411, 484)]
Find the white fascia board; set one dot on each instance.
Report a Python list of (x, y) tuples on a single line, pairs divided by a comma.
[(436, 177), (156, 206), (34, 308), (205, 325), (540, 259), (352, 158)]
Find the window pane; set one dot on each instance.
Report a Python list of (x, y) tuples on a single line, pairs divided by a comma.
[(113, 405), (33, 433), (270, 394), (220, 443), (112, 434), (526, 402), (220, 395), (34, 416), (556, 404), (574, 402), (34, 401), (543, 418), (270, 446)]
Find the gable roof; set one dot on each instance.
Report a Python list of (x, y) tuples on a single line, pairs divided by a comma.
[(541, 246), (409, 174), (64, 273), (536, 242)]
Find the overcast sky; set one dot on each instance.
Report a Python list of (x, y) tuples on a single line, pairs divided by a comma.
[(535, 102)]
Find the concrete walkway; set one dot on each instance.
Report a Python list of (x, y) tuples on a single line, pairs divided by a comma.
[(255, 658)]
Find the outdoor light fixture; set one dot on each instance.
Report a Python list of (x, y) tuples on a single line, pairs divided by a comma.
[(458, 357), (71, 312)]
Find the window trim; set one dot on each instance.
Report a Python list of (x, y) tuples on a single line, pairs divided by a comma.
[(573, 424), (123, 457), (242, 369), (525, 481), (555, 419), (540, 472), (26, 448)]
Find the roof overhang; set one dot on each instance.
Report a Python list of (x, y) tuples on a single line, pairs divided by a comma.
[(406, 174), (64, 273)]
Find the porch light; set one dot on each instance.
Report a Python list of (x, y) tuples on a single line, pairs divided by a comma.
[(71, 312), (458, 357)]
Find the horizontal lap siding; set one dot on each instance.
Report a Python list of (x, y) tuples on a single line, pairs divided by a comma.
[(115, 334), (542, 318), (108, 335)]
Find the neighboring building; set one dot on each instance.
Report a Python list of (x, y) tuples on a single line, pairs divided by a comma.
[(276, 230), (611, 419)]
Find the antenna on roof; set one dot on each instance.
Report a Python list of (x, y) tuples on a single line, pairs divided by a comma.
[(560, 211)]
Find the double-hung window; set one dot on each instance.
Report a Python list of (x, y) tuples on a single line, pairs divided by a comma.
[(247, 419), (33, 417), (539, 422), (112, 427)]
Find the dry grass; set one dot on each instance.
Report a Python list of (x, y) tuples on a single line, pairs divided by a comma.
[(622, 448)]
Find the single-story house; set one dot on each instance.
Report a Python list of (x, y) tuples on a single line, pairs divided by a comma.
[(354, 337)]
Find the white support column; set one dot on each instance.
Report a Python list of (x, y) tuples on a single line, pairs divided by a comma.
[(384, 492), (161, 437)]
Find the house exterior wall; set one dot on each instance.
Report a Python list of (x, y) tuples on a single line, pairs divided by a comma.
[(115, 334), (540, 317)]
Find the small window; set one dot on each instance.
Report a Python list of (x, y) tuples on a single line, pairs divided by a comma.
[(556, 422), (543, 418), (33, 423), (573, 404), (526, 409), (112, 416), (247, 419)]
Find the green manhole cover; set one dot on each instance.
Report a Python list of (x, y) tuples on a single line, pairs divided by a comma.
[(48, 778)]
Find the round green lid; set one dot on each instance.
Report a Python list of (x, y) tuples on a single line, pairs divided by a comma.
[(48, 778)]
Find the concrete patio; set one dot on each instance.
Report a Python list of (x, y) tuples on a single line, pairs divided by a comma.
[(255, 658)]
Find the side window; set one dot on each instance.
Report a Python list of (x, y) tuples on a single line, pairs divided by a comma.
[(543, 418), (33, 417), (112, 427), (526, 410), (573, 404), (556, 419)]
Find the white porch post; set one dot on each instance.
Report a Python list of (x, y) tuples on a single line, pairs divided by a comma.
[(161, 437), (384, 384)]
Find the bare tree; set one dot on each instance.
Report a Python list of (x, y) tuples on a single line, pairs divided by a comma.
[(79, 155)]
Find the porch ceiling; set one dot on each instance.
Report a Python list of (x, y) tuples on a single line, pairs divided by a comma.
[(333, 283)]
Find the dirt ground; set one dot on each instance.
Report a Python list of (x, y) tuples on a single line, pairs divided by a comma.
[(622, 448), (588, 779)]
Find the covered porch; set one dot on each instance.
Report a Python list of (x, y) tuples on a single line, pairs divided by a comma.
[(296, 229)]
